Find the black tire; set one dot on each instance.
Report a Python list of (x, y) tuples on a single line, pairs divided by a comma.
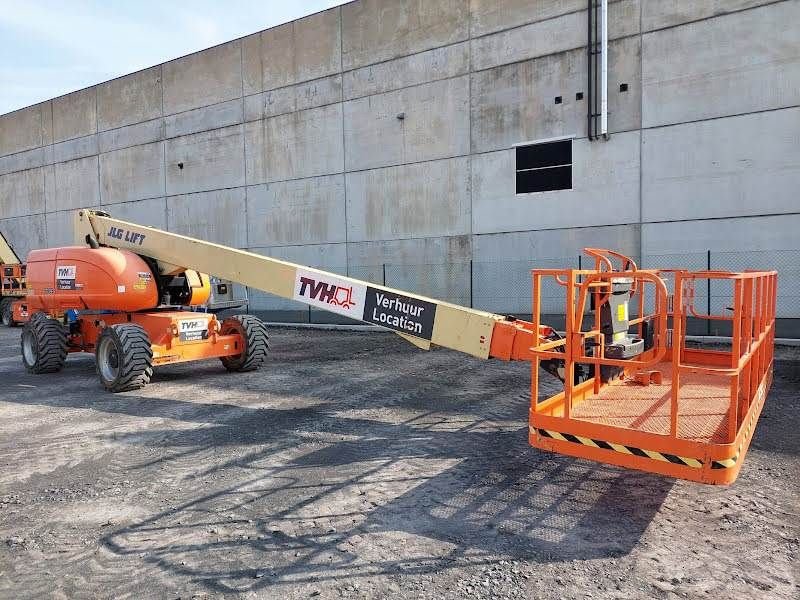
[(124, 357), (256, 342), (6, 314), (44, 345)]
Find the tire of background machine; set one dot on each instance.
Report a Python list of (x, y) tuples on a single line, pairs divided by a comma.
[(6, 313), (134, 357), (256, 342), (44, 346), (12, 322)]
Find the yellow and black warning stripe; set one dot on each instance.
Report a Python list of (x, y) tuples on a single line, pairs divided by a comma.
[(694, 463), (731, 462)]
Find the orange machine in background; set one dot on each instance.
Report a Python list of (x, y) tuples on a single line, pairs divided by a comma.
[(12, 283)]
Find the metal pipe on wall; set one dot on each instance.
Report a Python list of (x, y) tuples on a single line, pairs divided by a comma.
[(597, 71), (604, 68), (589, 70)]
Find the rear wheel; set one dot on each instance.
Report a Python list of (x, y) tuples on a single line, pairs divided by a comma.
[(255, 340), (124, 357), (44, 345)]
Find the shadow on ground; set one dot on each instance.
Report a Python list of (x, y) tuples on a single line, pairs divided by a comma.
[(318, 496), (347, 471)]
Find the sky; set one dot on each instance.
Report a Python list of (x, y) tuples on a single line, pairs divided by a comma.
[(50, 48)]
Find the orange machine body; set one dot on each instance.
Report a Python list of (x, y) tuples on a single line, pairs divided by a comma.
[(89, 279), (176, 336), (108, 286), (108, 279)]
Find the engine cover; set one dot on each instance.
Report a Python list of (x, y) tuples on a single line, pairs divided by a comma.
[(89, 279)]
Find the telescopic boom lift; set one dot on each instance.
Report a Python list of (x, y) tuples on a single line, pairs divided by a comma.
[(634, 395)]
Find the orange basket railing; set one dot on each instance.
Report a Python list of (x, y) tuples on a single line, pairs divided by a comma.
[(579, 285), (752, 337), (696, 419)]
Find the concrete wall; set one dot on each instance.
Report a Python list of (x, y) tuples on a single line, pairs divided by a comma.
[(288, 142)]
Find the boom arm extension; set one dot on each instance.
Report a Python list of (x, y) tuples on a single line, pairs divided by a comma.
[(7, 254), (418, 319)]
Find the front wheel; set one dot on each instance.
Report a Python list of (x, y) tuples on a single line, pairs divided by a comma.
[(124, 357), (44, 345), (255, 340)]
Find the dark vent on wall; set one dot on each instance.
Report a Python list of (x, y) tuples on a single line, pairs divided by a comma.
[(544, 167)]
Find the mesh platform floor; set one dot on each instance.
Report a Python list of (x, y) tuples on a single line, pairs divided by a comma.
[(702, 407)]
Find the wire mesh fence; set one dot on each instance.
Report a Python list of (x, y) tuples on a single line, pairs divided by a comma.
[(715, 296), (505, 286)]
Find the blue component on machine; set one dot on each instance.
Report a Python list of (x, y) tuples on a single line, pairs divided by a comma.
[(71, 315)]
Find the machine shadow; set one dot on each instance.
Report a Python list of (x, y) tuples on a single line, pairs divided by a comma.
[(453, 494), (325, 484)]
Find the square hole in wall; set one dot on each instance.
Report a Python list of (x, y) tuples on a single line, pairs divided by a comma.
[(544, 167)]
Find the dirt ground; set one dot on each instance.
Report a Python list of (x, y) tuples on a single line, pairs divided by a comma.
[(357, 466)]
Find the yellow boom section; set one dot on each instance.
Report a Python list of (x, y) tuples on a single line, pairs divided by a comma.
[(419, 319), (7, 254)]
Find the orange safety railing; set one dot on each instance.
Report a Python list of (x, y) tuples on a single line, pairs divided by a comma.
[(697, 421), (752, 337), (12, 279)]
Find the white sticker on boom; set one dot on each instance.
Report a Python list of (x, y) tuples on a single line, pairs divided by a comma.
[(330, 293), (190, 330)]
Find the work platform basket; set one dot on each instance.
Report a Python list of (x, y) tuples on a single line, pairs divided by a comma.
[(681, 411)]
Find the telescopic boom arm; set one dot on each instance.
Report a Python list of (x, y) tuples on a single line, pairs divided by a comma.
[(7, 254), (416, 318)]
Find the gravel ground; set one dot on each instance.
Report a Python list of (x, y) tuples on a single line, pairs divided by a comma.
[(357, 466)]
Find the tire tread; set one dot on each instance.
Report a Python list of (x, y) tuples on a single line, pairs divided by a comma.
[(135, 356), (256, 338), (6, 312), (51, 343)]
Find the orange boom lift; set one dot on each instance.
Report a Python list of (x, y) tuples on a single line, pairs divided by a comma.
[(634, 394), (12, 284), (117, 305)]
